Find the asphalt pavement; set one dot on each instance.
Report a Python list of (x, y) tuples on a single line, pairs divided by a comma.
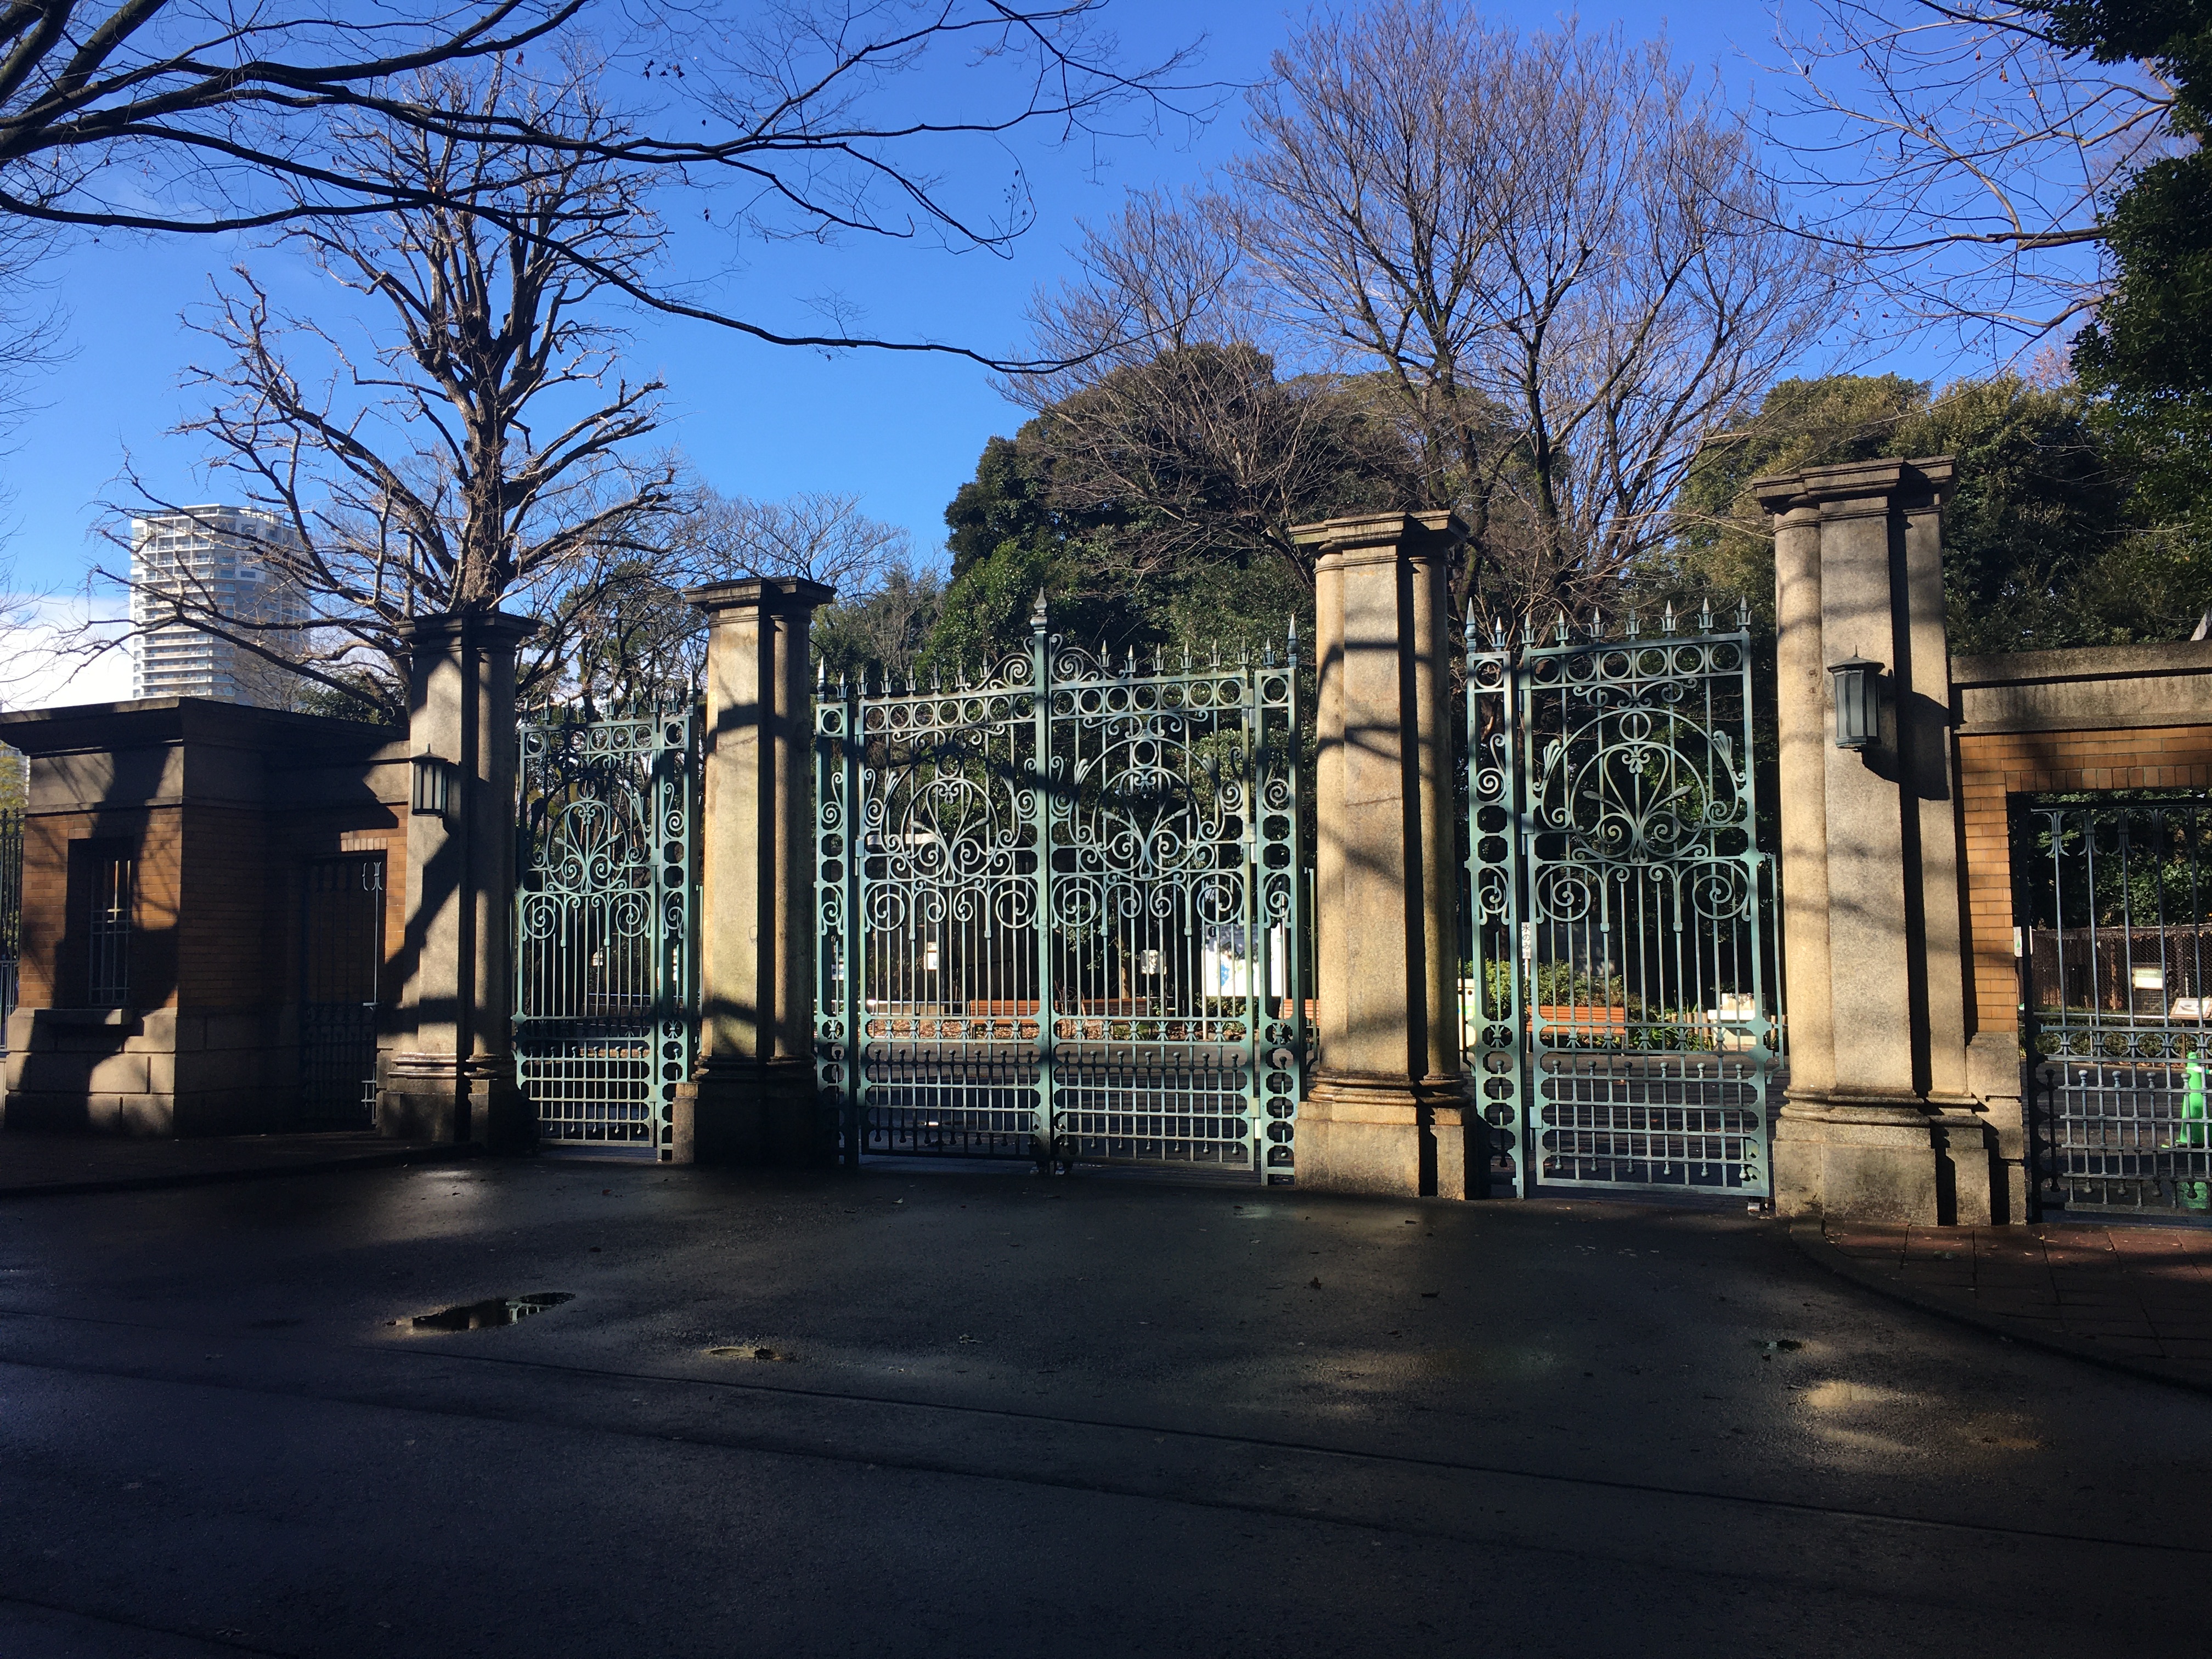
[(925, 1411)]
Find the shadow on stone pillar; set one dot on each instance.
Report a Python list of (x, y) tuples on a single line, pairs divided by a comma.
[(450, 1074), (1386, 1110), (1879, 1120), (753, 1099)]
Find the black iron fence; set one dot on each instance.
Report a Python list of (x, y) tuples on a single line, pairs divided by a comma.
[(11, 913), (2115, 908)]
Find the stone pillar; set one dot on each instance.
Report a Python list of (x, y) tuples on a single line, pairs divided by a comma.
[(450, 1075), (1385, 1113), (753, 1099), (1879, 1122)]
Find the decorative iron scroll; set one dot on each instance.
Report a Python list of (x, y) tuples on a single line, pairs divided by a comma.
[(604, 1022), (1619, 1007), (1059, 913)]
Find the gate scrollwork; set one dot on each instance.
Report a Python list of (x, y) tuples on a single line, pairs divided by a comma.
[(1068, 926)]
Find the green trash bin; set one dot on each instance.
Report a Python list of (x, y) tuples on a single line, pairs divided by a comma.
[(2193, 1134)]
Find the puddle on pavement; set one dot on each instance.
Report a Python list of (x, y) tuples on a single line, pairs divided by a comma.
[(493, 1310), (745, 1351)]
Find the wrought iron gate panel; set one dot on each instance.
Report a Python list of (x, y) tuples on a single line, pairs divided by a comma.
[(2114, 903), (1621, 1014), (1493, 1020), (606, 1019), (1057, 912)]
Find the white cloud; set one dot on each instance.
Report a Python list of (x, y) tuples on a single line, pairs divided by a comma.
[(44, 662)]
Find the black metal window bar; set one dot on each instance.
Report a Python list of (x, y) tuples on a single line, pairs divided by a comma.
[(107, 933), (342, 964), (2114, 907), (11, 915)]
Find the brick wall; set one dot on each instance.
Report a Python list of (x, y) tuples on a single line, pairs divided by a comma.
[(1993, 765)]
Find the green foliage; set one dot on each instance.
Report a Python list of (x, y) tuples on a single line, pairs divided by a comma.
[(1003, 504), (15, 779), (2056, 536), (1724, 542), (370, 708), (2039, 548), (2148, 353), (1207, 598)]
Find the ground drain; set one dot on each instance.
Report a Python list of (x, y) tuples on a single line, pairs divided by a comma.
[(493, 1310)]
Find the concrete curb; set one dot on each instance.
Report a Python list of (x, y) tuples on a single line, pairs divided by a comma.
[(398, 1155), (1806, 1234)]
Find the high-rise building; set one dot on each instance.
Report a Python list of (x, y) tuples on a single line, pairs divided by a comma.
[(213, 556)]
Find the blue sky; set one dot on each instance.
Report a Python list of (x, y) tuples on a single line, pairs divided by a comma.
[(903, 431)]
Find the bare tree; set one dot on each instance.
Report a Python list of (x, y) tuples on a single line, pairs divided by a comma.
[(628, 635), (1960, 157), (1558, 252), (821, 535), (478, 450), (1169, 422), (200, 116)]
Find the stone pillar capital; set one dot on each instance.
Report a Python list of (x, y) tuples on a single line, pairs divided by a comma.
[(1856, 486), (495, 629), (780, 596), (1416, 535)]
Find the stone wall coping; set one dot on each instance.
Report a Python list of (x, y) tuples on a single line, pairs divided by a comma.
[(148, 722), (2099, 689), (2094, 662)]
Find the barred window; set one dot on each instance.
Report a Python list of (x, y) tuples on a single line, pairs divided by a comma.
[(107, 933)]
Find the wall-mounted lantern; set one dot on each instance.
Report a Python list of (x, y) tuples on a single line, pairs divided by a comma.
[(433, 785), (1858, 720)]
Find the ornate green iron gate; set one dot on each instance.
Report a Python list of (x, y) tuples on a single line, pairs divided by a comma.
[(605, 1020), (1061, 913), (1619, 1010)]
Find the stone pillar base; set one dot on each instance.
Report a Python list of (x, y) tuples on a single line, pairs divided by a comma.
[(1859, 1158), (751, 1112), (442, 1097), (1396, 1136), (1970, 1186)]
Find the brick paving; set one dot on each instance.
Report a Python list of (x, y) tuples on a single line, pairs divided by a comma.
[(2137, 1296)]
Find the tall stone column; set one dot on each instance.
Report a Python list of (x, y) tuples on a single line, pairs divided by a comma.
[(1879, 1122), (451, 1074), (752, 1098), (1385, 1113)]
